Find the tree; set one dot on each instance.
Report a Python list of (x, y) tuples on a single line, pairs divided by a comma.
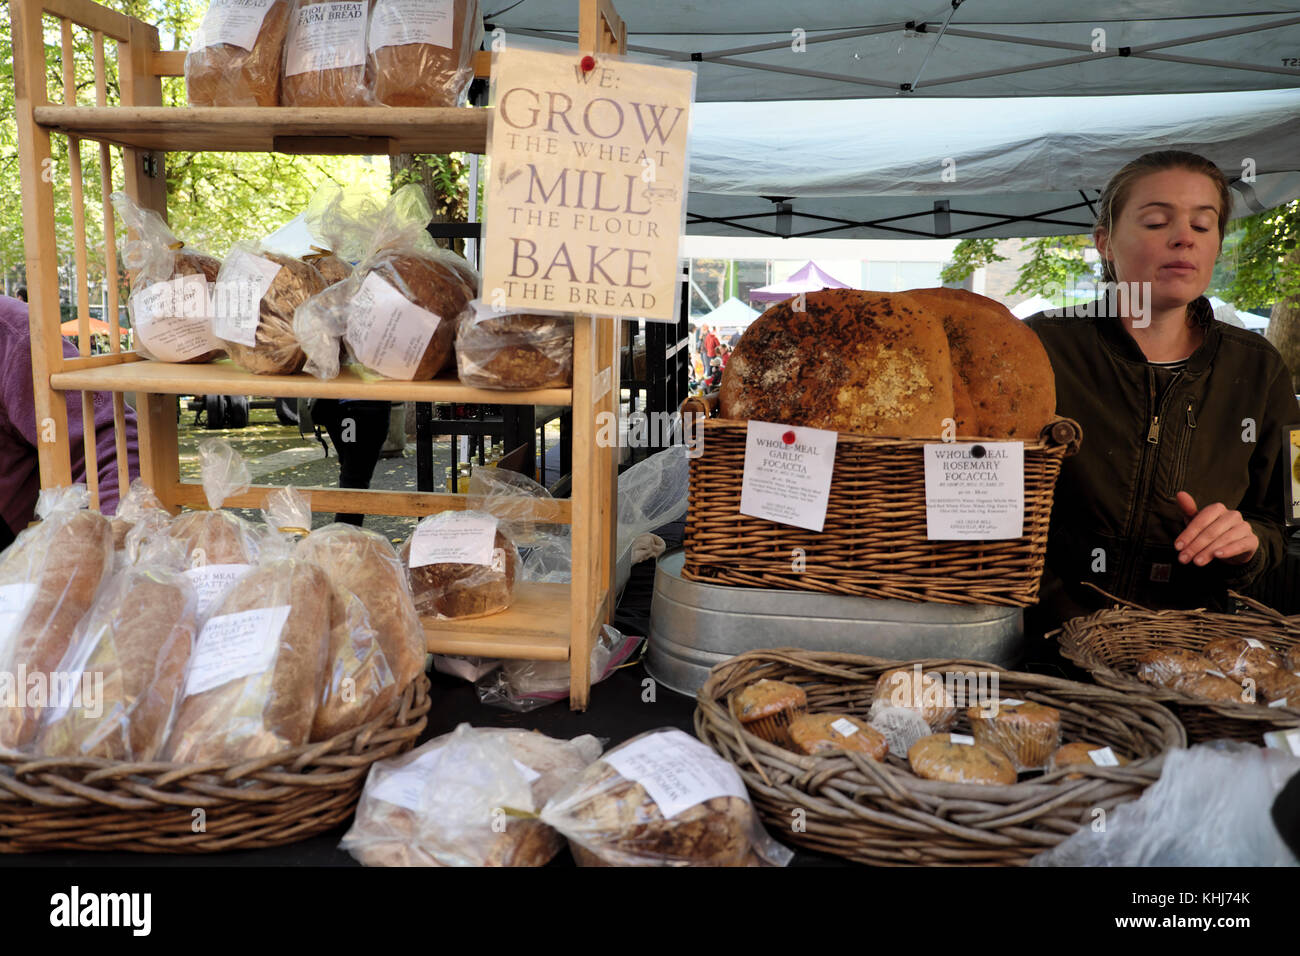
[(445, 180), (1268, 270), (1054, 262)]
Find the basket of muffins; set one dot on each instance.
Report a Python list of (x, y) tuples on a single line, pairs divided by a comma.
[(1234, 676), (931, 762)]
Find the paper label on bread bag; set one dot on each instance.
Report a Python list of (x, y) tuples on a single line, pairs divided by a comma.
[(326, 36), (1258, 645), (398, 22), (458, 537), (173, 319), (963, 739), (14, 602), (845, 728), (237, 299), (232, 646), (1011, 702), (1103, 757), (527, 772), (387, 331), (236, 22), (677, 771), (974, 491), (787, 477), (404, 787), (212, 581)]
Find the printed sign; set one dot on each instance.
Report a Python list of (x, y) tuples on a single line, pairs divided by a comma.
[(787, 476), (975, 491)]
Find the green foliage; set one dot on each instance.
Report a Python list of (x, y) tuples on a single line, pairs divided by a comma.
[(1055, 261), (970, 254), (1267, 268)]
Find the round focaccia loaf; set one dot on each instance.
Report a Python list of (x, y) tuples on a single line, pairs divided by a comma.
[(228, 75), (863, 363), (277, 351), (514, 351), (435, 286), (1000, 368), (937, 758)]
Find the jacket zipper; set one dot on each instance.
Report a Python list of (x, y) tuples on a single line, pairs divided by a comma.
[(1146, 476)]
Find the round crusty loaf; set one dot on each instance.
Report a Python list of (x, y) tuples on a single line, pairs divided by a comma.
[(425, 74), (464, 590), (1236, 658), (1280, 685), (863, 363), (192, 264), (1000, 369), (226, 75), (433, 285), (1028, 733), (342, 86), (331, 268), (515, 351), (277, 351), (937, 758)]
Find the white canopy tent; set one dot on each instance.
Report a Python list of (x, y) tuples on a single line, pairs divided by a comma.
[(733, 315)]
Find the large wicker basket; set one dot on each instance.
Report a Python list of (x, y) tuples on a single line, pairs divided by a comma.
[(882, 813), (94, 804), (874, 539), (1109, 642)]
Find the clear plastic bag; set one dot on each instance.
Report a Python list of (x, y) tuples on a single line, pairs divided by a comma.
[(651, 494), (325, 54), (138, 504), (50, 577), (460, 564), (218, 537), (466, 668), (923, 692), (171, 289), (256, 295), (512, 498), (1210, 807), (662, 799), (127, 664), (235, 59), (421, 53), (397, 311), (523, 685), (513, 349), (467, 798)]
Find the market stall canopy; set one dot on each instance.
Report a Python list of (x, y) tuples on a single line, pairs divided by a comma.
[(810, 277), (73, 327), (842, 49), (732, 314), (877, 169)]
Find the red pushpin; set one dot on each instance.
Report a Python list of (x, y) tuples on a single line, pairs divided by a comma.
[(788, 438), (588, 63)]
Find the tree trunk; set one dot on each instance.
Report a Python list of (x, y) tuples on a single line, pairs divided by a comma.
[(1284, 324), (416, 169)]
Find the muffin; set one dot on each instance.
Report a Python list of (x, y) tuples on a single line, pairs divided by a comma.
[(924, 693), (1026, 732), (767, 708), (956, 758), (1086, 755), (814, 734), (1165, 666), (1240, 658)]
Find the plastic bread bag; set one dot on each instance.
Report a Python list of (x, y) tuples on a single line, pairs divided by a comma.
[(513, 349), (1242, 657), (125, 670), (900, 726), (651, 494), (50, 577), (422, 51), (460, 564), (466, 668), (545, 549), (662, 799), (256, 295), (1210, 807), (325, 54), (397, 311), (138, 504), (258, 670), (524, 685), (923, 692), (367, 672), (468, 798), (171, 289), (234, 59)]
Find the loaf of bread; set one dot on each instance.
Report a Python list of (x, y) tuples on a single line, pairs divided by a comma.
[(325, 54), (421, 57), (51, 575), (1291, 658), (276, 351), (1026, 732), (1167, 665), (864, 363), (814, 734), (1003, 382), (1238, 658), (363, 567), (138, 502), (137, 640), (442, 805), (154, 339), (459, 589), (925, 693), (618, 819), (331, 268), (228, 74), (1212, 686), (1279, 684), (941, 757), (1080, 755), (215, 537), (514, 350), (270, 702), (432, 285)]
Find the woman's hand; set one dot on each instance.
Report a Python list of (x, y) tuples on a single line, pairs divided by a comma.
[(1214, 532)]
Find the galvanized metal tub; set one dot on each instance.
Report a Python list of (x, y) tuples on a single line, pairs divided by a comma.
[(694, 626)]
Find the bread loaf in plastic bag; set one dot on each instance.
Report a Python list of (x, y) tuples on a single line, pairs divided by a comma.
[(325, 54), (460, 564), (513, 349), (422, 51), (235, 60), (256, 295)]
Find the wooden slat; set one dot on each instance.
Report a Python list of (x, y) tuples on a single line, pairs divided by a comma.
[(413, 504), (224, 378), (156, 423), (99, 361), (253, 129), (172, 63), (87, 14), (143, 169), (534, 627)]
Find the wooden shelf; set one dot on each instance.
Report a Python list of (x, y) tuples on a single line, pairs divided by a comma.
[(535, 627), (282, 129), (224, 378)]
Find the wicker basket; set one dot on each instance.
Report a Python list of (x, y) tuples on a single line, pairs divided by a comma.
[(71, 803), (874, 540), (1109, 642), (882, 813)]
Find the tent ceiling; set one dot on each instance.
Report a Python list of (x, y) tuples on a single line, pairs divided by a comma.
[(986, 48)]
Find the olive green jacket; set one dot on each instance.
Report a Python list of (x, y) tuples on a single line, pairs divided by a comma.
[(1219, 433)]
